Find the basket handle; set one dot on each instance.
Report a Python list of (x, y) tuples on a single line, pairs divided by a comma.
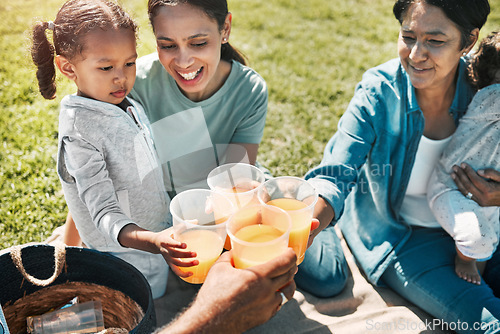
[(60, 260)]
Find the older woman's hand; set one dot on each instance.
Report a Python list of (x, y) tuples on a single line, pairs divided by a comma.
[(483, 185)]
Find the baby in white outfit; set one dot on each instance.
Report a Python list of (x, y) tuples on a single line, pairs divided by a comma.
[(475, 229)]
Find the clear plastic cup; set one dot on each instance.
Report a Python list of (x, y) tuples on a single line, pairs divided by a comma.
[(258, 233), (297, 197), (80, 318), (199, 219), (238, 181)]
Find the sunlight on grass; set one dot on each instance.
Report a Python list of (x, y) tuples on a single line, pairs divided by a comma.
[(311, 53)]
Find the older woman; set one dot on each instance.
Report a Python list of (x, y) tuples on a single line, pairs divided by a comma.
[(388, 141)]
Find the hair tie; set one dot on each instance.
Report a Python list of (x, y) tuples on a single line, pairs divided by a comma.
[(51, 25)]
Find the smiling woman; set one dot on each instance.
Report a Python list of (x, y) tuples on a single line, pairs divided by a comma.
[(205, 105), (189, 47), (429, 47)]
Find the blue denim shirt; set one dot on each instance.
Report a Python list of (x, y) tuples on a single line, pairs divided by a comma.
[(370, 158)]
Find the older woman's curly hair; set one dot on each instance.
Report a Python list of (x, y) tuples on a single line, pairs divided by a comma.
[(486, 61)]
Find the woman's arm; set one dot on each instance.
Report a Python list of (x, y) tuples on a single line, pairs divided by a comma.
[(484, 185), (344, 156)]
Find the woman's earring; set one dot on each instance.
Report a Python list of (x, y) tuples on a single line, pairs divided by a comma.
[(464, 53), (225, 40)]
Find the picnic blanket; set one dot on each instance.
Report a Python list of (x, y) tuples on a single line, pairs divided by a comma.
[(360, 308)]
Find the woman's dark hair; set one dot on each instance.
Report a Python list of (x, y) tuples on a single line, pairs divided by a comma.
[(486, 61), (466, 14), (74, 20), (214, 9)]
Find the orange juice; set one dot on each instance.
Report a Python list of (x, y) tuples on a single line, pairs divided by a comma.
[(240, 196), (258, 233), (248, 256), (207, 245), (301, 223), (220, 220)]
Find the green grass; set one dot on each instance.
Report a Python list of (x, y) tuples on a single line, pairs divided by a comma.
[(311, 53)]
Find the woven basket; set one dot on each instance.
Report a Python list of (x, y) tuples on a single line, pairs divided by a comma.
[(124, 292)]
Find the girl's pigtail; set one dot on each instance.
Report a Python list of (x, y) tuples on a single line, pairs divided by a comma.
[(42, 53)]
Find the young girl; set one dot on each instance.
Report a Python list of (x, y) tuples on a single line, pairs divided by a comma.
[(107, 163), (475, 229)]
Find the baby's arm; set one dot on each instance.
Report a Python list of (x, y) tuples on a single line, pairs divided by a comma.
[(162, 243), (438, 195), (471, 226)]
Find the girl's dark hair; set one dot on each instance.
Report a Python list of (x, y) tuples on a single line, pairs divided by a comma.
[(486, 61), (214, 9), (466, 14), (74, 20)]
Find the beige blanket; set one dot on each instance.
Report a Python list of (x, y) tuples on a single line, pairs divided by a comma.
[(360, 308)]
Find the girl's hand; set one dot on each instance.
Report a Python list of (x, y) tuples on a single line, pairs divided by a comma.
[(483, 185), (175, 253)]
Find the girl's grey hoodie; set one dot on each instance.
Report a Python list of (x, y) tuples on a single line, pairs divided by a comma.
[(110, 174)]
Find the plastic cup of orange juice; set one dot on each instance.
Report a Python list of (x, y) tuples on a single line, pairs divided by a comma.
[(237, 181), (199, 218), (297, 197), (258, 233)]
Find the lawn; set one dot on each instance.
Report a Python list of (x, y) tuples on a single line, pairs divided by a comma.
[(311, 53)]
